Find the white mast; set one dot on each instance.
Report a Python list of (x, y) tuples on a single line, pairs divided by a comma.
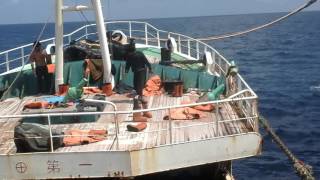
[(102, 38), (103, 41), (59, 44)]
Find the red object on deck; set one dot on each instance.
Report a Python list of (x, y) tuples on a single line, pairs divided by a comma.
[(137, 128), (63, 89), (51, 68), (177, 90), (107, 89)]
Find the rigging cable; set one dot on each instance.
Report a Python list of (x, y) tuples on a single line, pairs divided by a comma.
[(229, 35), (302, 169)]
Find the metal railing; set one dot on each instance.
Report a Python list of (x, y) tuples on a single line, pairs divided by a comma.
[(145, 34), (250, 118), (243, 99)]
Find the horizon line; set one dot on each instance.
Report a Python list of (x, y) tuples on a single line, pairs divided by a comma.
[(121, 19)]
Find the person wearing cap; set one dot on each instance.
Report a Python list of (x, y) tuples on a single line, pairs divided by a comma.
[(39, 60)]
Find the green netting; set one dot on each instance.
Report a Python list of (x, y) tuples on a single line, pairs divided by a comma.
[(73, 72), (206, 81), (156, 52), (24, 85), (170, 73)]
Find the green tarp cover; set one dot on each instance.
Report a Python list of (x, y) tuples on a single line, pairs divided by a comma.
[(73, 72)]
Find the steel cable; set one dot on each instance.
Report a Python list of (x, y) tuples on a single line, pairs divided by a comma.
[(229, 35), (302, 169)]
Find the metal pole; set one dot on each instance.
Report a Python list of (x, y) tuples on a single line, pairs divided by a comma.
[(59, 44), (198, 53), (7, 61), (22, 56), (179, 43), (170, 126), (50, 131), (189, 50), (158, 37), (130, 29), (217, 119), (103, 41), (86, 29), (146, 33)]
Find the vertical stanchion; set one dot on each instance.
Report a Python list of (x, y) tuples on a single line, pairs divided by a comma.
[(116, 127), (179, 43), (189, 50), (86, 29), (197, 47), (50, 131), (217, 118), (7, 61), (158, 36), (146, 33), (170, 126), (130, 30), (22, 56)]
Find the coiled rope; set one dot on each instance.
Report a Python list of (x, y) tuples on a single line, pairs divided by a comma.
[(302, 169), (229, 35)]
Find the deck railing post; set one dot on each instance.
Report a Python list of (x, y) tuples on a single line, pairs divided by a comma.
[(179, 43), (7, 62), (197, 47), (217, 119), (50, 132), (255, 113), (189, 50), (130, 29), (86, 29), (69, 39), (158, 37), (116, 127), (170, 126), (146, 33), (22, 56)]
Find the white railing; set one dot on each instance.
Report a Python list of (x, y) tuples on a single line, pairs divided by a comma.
[(149, 35), (142, 31), (250, 118)]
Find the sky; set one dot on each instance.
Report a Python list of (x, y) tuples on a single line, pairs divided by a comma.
[(39, 11)]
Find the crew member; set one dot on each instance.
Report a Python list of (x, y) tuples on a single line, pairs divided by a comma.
[(139, 64), (39, 60)]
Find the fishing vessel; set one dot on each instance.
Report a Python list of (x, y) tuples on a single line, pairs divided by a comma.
[(202, 144)]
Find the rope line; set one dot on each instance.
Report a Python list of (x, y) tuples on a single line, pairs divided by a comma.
[(229, 35), (302, 169)]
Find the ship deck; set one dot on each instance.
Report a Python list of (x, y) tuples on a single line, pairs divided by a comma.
[(156, 134)]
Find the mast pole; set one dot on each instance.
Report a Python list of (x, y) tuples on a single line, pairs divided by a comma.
[(59, 45), (103, 41)]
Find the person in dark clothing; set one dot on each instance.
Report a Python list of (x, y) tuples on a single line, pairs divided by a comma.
[(139, 65), (39, 58)]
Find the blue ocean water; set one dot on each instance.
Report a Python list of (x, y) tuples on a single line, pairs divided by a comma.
[(280, 63)]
